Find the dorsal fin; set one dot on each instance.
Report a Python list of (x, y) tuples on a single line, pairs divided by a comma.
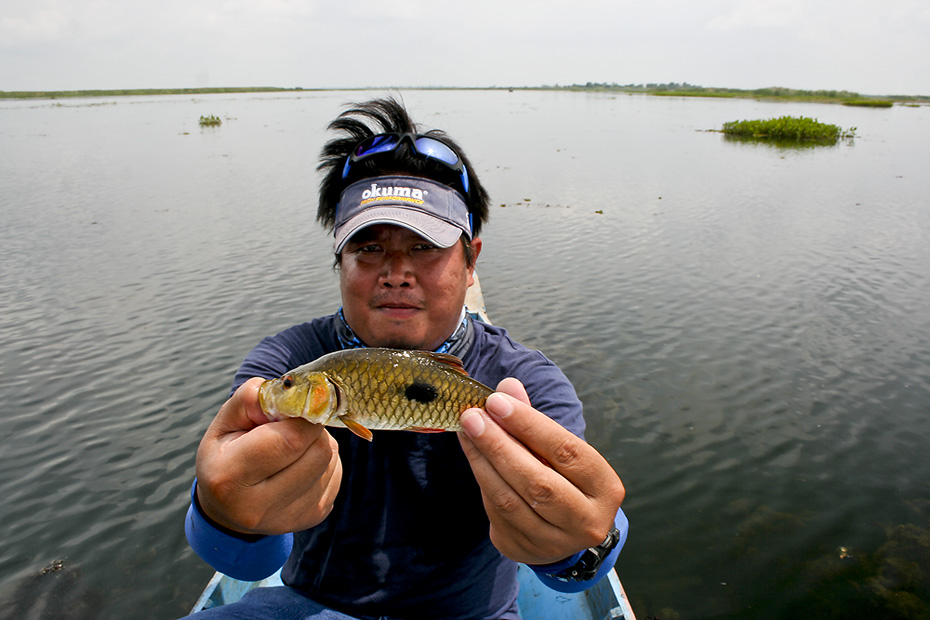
[(446, 359)]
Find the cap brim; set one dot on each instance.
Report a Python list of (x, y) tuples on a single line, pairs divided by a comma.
[(438, 232)]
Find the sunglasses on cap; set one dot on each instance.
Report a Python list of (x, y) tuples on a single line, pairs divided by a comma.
[(424, 145)]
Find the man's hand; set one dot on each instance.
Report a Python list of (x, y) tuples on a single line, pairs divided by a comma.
[(261, 477), (547, 493)]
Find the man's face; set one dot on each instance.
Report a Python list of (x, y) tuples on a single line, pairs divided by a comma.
[(399, 290)]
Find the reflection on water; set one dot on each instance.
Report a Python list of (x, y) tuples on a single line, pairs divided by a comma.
[(746, 325), (787, 145)]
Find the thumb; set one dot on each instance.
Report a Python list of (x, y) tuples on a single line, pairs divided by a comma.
[(512, 387), (242, 412), (243, 444)]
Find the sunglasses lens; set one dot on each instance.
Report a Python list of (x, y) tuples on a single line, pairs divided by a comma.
[(377, 144), (426, 146), (464, 176), (435, 148)]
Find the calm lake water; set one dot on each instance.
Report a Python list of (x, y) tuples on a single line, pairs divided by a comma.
[(747, 325)]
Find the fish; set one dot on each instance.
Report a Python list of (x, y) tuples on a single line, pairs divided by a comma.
[(376, 389)]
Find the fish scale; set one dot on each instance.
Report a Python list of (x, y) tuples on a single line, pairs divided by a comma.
[(390, 389), (376, 389)]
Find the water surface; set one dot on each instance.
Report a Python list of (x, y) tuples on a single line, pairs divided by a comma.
[(746, 325)]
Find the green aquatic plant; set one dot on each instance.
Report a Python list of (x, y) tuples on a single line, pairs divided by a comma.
[(210, 121), (869, 103), (787, 128)]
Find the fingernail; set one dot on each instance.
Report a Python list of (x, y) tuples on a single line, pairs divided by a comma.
[(499, 405), (472, 423)]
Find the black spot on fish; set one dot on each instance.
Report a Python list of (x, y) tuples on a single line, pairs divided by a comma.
[(421, 392)]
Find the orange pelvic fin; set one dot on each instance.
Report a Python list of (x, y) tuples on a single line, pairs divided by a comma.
[(356, 428), (423, 429)]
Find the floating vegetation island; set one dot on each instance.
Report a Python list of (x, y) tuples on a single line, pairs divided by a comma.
[(788, 128), (210, 121), (870, 103)]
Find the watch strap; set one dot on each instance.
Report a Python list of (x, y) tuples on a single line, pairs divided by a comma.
[(559, 575), (591, 559)]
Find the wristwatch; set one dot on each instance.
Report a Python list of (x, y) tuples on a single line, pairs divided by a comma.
[(591, 559)]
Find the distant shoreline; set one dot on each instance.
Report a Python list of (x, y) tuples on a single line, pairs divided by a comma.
[(131, 92), (774, 93), (662, 90)]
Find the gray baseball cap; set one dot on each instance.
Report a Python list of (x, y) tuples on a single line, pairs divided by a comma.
[(434, 211)]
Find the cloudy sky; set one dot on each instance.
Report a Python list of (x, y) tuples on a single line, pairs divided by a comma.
[(868, 46)]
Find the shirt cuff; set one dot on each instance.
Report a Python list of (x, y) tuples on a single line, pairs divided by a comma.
[(547, 572), (243, 557)]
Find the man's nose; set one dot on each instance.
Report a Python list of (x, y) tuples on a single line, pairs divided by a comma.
[(398, 270)]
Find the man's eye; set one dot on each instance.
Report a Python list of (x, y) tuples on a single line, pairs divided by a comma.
[(424, 246), (369, 249)]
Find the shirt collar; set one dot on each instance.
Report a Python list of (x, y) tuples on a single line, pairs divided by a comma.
[(457, 344)]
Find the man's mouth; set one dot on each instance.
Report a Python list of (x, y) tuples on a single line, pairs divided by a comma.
[(397, 309)]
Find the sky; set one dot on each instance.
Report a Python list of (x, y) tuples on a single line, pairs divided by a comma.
[(877, 47)]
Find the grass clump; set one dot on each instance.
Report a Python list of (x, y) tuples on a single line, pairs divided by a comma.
[(788, 128), (210, 121)]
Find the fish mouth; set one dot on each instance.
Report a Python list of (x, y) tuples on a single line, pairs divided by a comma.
[(266, 401)]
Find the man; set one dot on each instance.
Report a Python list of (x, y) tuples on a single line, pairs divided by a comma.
[(410, 525)]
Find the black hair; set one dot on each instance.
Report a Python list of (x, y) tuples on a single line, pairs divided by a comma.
[(387, 116)]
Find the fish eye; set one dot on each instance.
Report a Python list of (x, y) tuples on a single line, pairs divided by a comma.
[(288, 382)]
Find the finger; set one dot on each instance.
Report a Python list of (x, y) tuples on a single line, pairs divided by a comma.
[(517, 530), (303, 493), (500, 498), (493, 485), (506, 470), (242, 411), (581, 492), (271, 449), (513, 387), (250, 485), (242, 448), (249, 443), (308, 475), (569, 455)]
